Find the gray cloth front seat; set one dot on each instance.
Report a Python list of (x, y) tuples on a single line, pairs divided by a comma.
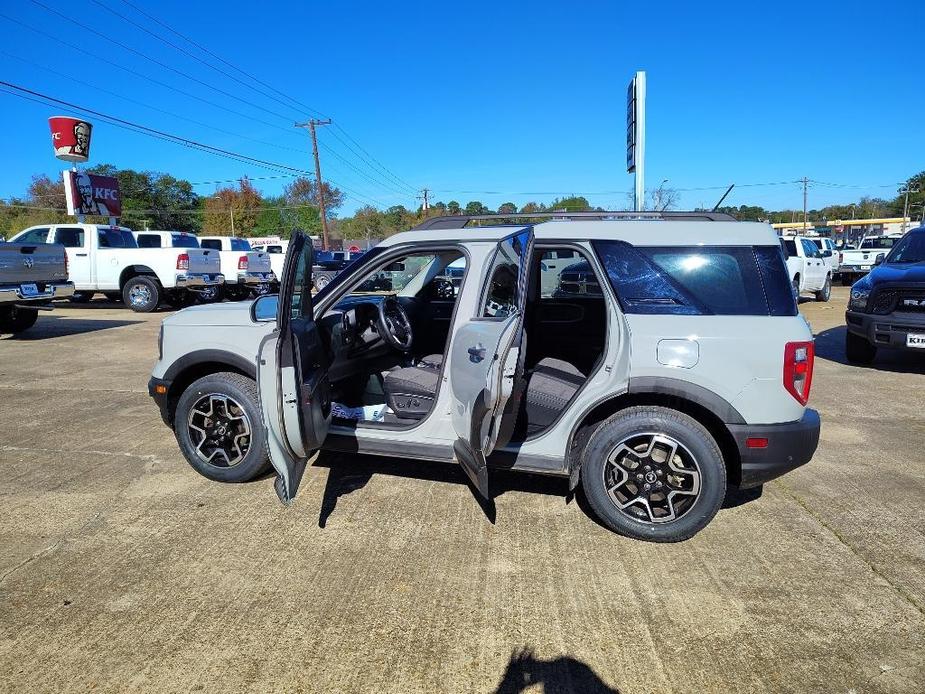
[(410, 391), (550, 387)]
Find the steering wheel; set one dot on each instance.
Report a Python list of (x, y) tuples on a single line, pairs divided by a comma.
[(393, 324)]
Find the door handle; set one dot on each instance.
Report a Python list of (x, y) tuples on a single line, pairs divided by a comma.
[(81, 255), (477, 353)]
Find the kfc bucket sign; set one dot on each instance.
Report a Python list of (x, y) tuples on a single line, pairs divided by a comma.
[(91, 194), (71, 138)]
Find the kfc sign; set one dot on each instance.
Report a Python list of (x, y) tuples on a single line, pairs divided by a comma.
[(71, 138), (92, 194)]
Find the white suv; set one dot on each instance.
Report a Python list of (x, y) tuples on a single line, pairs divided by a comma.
[(672, 365)]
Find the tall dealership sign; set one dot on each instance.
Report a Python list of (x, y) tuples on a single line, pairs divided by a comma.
[(636, 135), (71, 138), (91, 194)]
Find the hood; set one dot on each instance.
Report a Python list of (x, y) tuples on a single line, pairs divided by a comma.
[(234, 313), (913, 273)]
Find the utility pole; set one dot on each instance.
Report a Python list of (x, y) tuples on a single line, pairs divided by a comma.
[(425, 193), (909, 189), (311, 124), (805, 184)]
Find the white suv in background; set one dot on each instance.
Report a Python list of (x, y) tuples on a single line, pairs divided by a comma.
[(682, 369)]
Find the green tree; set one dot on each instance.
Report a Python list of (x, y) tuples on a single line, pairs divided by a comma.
[(507, 208), (452, 207), (475, 207), (239, 207), (575, 203)]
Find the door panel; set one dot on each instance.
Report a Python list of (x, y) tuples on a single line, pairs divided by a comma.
[(293, 375), (487, 358)]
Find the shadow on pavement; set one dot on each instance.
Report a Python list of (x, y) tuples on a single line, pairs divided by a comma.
[(48, 327), (349, 473), (563, 674), (830, 345)]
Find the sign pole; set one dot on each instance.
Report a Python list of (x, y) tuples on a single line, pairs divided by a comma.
[(636, 137)]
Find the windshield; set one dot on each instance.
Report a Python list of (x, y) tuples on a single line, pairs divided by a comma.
[(909, 249), (240, 245), (878, 243)]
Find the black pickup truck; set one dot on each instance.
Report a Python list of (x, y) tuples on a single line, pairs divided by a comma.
[(887, 306)]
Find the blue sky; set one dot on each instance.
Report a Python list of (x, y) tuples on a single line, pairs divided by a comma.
[(526, 99)]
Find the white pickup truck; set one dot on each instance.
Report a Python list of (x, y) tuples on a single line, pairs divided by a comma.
[(277, 252), (857, 262), (107, 259), (809, 269), (247, 272)]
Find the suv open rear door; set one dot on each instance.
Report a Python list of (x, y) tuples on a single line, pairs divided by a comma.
[(487, 357), (292, 375)]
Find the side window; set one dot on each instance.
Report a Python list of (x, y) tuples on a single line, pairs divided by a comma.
[(809, 248), (719, 280), (214, 244), (102, 239), (34, 236), (501, 292), (574, 276), (149, 241), (70, 237)]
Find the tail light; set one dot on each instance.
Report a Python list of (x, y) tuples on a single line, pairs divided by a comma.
[(183, 261), (798, 369), (242, 262), (67, 266)]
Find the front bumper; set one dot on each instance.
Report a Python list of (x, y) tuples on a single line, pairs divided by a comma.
[(886, 330), (158, 389), (789, 446), (49, 290), (199, 281)]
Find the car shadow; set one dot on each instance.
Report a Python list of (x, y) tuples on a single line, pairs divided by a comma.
[(49, 327), (830, 345), (563, 674), (348, 472), (100, 304)]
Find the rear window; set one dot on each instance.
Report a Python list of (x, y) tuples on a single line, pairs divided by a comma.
[(696, 280), (878, 243), (149, 241), (214, 244), (116, 238), (184, 241), (240, 245)]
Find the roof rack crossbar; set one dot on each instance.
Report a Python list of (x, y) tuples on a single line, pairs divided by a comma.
[(461, 221)]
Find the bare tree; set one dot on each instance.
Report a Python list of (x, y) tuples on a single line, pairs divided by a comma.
[(664, 198)]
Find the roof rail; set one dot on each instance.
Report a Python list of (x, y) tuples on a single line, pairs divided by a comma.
[(461, 221)]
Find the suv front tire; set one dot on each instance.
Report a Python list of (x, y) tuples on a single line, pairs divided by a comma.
[(653, 473)]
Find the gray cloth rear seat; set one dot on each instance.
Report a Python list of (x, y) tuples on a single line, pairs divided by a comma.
[(551, 385)]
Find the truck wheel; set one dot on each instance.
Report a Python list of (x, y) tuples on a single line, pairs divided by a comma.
[(142, 294), (15, 320), (825, 293), (653, 473), (219, 428), (858, 349), (181, 298), (235, 292), (796, 288)]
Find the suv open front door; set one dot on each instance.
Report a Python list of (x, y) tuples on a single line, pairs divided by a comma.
[(487, 357), (292, 375)]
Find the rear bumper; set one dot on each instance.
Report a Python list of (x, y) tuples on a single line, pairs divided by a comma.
[(256, 279), (158, 389), (789, 446), (199, 281), (886, 331), (51, 290)]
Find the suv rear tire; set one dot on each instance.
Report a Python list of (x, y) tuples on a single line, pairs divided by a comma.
[(635, 484), (231, 445), (858, 349)]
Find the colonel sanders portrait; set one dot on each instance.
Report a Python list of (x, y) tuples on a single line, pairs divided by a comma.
[(85, 204)]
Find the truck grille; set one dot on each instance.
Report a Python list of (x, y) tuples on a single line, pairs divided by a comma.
[(886, 301)]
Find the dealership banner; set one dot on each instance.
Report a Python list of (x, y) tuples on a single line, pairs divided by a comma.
[(71, 138), (91, 194)]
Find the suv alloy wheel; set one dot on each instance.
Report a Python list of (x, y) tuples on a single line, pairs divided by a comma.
[(653, 473)]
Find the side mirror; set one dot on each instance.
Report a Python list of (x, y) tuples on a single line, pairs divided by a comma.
[(879, 259), (264, 308)]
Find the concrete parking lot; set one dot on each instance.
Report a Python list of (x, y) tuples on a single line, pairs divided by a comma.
[(123, 570)]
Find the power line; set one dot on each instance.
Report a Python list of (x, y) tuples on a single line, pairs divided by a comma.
[(24, 92), (369, 160)]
